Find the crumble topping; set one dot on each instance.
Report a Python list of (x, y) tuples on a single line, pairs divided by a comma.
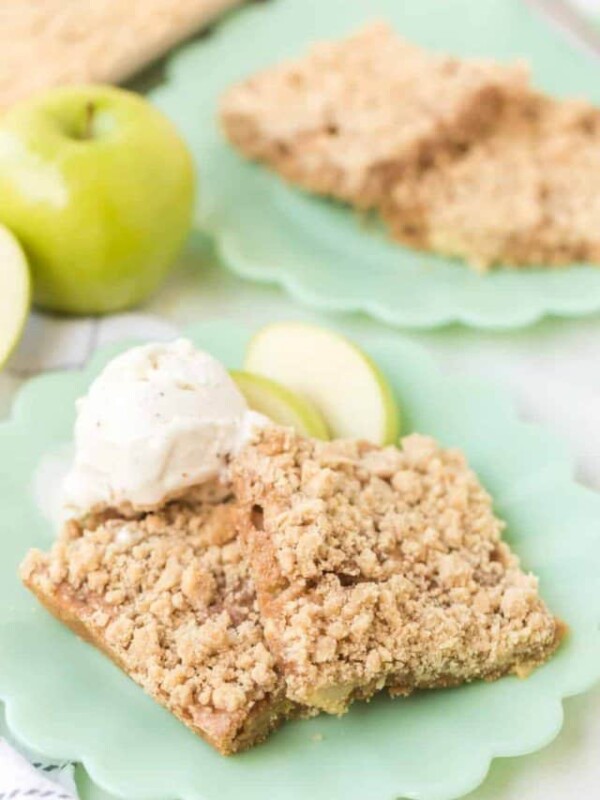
[(380, 566), (95, 42), (170, 598), (360, 110), (460, 156), (526, 194)]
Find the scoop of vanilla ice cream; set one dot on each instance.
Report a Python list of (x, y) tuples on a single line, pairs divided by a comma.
[(158, 419)]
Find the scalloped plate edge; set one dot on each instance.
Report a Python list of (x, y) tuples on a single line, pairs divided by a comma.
[(100, 773)]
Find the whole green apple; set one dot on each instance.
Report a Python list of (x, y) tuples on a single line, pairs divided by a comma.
[(98, 186)]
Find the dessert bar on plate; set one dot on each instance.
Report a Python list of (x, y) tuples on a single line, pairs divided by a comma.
[(167, 596), (525, 194), (382, 567), (353, 115), (462, 157), (101, 41)]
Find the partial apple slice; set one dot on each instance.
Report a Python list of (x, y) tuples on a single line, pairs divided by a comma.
[(334, 374), (280, 404), (15, 293)]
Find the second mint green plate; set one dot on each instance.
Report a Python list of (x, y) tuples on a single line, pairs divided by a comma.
[(267, 231), (67, 701)]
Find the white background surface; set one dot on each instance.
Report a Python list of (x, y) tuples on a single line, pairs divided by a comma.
[(552, 370)]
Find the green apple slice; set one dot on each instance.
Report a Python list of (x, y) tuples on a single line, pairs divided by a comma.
[(15, 293), (333, 373), (280, 404)]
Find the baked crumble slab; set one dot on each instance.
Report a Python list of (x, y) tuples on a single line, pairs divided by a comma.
[(382, 567), (351, 116), (525, 195), (167, 596)]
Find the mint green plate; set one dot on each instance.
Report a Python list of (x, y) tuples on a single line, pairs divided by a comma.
[(66, 700), (267, 231)]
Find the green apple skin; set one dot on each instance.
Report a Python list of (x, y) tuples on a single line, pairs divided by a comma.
[(15, 293), (340, 380), (98, 186), (281, 405)]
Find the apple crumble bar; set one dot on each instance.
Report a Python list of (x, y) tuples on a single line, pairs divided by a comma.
[(527, 194), (54, 43), (382, 567), (167, 596), (352, 115)]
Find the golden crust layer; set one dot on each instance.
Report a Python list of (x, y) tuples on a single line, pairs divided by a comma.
[(382, 567)]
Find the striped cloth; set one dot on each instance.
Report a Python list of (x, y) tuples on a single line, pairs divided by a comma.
[(22, 775)]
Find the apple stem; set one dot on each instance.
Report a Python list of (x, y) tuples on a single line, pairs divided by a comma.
[(90, 110)]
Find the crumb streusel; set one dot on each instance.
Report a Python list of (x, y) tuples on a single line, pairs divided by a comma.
[(352, 115), (168, 597), (382, 567), (526, 194)]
